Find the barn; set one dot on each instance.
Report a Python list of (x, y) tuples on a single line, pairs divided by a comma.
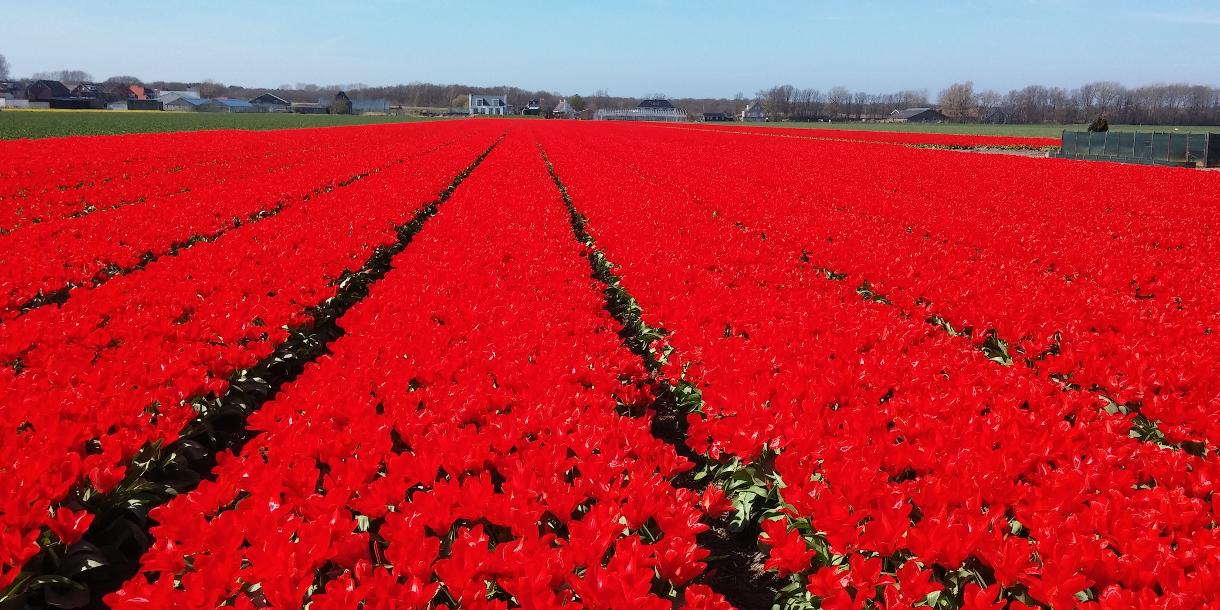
[(715, 116), (269, 102), (340, 104), (917, 115)]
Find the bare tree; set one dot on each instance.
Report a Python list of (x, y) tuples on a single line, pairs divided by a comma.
[(957, 101), (65, 76), (913, 98), (989, 99), (837, 102), (4, 67), (211, 88), (123, 80)]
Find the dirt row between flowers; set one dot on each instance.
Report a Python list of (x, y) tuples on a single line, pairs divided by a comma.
[(618, 195), (735, 565)]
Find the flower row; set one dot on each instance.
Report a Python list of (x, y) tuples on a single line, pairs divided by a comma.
[(51, 256), (907, 464), (110, 172), (121, 365), (1090, 272), (482, 462)]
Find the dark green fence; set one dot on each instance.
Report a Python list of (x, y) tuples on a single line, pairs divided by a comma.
[(1163, 148)]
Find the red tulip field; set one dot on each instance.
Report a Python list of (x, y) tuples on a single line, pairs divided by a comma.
[(498, 364)]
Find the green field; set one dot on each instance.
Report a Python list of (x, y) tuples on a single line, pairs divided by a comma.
[(52, 123), (1032, 131)]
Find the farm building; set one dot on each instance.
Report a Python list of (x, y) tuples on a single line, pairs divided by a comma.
[(77, 103), (144, 105), (647, 110), (46, 90), (488, 104), (183, 104), (268, 102), (87, 90), (170, 96), (711, 117), (381, 106), (340, 104), (754, 111), (226, 105), (532, 107), (106, 93), (564, 110), (917, 115), (309, 108), (135, 92)]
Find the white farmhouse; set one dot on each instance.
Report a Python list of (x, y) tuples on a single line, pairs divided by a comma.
[(754, 112), (488, 104)]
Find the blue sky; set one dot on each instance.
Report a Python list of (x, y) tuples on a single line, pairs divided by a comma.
[(627, 47)]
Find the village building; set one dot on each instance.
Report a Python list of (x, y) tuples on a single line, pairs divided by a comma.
[(917, 115), (137, 92), (532, 107), (46, 90), (564, 110), (10, 90), (481, 104), (754, 111), (106, 93), (712, 117)]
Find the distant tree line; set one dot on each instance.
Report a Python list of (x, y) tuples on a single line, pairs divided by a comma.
[(1162, 104)]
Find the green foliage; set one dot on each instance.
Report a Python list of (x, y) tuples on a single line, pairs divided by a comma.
[(55, 123)]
